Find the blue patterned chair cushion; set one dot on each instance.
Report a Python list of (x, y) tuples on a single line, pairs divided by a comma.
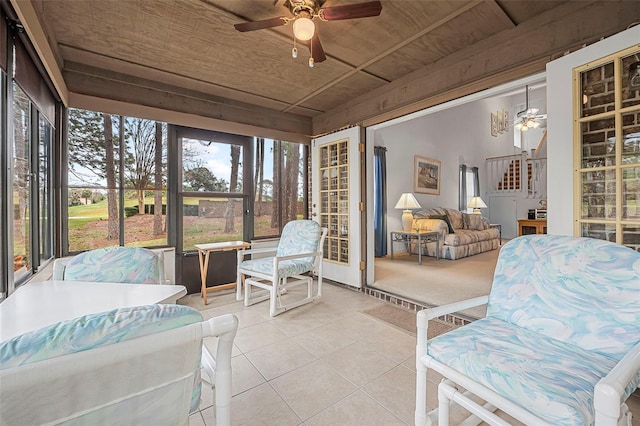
[(298, 237), (583, 291), (115, 264), (95, 330), (287, 268), (536, 372)]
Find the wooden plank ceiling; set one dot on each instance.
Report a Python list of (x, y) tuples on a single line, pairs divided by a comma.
[(190, 47)]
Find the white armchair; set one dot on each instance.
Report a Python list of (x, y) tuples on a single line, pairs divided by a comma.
[(299, 252), (129, 366), (560, 344)]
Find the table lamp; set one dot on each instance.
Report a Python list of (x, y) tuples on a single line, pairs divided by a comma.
[(476, 204), (407, 202)]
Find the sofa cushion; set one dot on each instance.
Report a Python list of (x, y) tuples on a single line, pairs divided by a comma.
[(474, 222), (536, 376), (456, 218), (437, 225), (466, 236), (445, 218)]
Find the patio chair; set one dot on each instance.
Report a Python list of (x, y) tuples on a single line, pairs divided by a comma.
[(297, 257), (560, 343), (135, 265), (128, 366)]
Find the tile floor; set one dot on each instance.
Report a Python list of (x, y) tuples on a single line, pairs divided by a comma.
[(325, 363)]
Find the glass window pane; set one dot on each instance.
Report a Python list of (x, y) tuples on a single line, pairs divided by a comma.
[(44, 190), (21, 183), (631, 236), (631, 138), (597, 86), (266, 219), (93, 196), (631, 193), (599, 194), (209, 166), (598, 143), (631, 80), (601, 231), (210, 220), (88, 221)]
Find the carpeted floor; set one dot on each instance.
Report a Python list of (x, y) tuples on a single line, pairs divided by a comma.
[(406, 320), (437, 282)]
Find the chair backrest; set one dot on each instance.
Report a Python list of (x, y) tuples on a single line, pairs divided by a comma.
[(117, 265), (581, 290), (299, 236), (137, 365)]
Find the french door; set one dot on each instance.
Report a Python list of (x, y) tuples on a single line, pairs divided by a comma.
[(336, 203)]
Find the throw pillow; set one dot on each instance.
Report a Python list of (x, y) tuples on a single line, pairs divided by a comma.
[(445, 218), (473, 222), (455, 216)]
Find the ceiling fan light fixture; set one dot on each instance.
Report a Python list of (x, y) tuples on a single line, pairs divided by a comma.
[(303, 29), (294, 53), (311, 62)]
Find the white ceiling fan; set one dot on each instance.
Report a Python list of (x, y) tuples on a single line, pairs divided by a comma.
[(529, 117)]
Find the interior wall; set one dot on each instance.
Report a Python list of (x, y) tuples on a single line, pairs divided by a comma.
[(455, 136), (560, 125)]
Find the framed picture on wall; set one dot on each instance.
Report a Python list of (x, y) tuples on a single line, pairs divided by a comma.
[(426, 175)]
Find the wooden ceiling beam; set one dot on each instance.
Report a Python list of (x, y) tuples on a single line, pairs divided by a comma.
[(97, 83), (495, 60)]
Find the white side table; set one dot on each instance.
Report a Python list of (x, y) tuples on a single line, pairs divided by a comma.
[(419, 237)]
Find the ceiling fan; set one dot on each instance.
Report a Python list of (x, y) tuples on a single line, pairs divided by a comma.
[(304, 12), (528, 118)]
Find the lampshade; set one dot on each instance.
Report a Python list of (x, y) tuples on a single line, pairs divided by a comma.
[(407, 202), (303, 29), (476, 204)]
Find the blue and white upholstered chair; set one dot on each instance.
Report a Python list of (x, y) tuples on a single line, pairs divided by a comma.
[(137, 365), (559, 345), (135, 265), (293, 262)]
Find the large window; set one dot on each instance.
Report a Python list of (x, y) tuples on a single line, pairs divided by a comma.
[(21, 198), (279, 179), (116, 181), (608, 148)]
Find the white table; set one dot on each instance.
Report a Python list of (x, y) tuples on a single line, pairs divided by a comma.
[(39, 304)]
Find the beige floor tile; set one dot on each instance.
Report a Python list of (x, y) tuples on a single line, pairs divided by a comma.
[(355, 410), (324, 340), (244, 375), (392, 343), (312, 388), (358, 363), (261, 406), (196, 419), (395, 391), (257, 336), (299, 320), (275, 360)]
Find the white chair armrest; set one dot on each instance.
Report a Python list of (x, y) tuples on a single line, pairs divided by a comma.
[(59, 266), (279, 259), (609, 390), (242, 253), (425, 315)]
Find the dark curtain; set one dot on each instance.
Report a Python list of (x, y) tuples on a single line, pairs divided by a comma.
[(380, 200), (476, 182), (462, 192)]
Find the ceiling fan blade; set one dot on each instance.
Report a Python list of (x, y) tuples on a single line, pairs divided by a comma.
[(351, 11), (315, 47), (259, 25)]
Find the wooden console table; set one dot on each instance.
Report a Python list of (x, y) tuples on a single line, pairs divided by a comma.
[(204, 250), (532, 226)]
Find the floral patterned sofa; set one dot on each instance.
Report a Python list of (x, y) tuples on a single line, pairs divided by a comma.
[(461, 234)]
